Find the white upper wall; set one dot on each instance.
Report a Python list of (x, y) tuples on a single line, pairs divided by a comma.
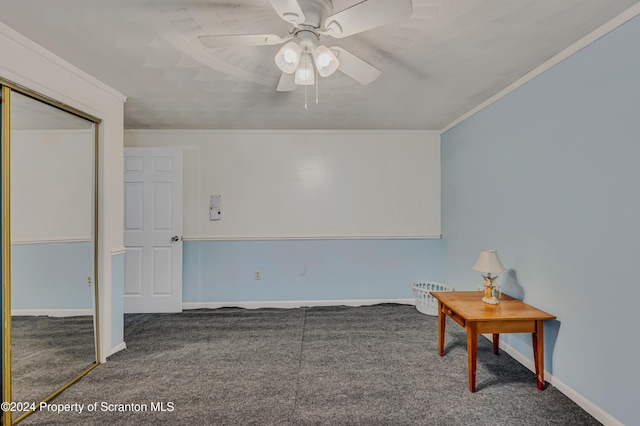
[(51, 185), (307, 184)]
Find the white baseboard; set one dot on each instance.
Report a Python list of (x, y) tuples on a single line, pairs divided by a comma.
[(591, 408), (51, 312), (289, 304)]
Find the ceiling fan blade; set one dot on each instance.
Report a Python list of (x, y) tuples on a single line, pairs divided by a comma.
[(240, 40), (289, 10), (287, 83), (359, 70), (366, 15)]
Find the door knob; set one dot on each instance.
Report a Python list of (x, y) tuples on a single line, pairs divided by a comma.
[(175, 238)]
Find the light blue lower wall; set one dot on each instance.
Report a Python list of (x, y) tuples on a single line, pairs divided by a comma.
[(51, 276), (293, 270), (117, 299), (549, 176)]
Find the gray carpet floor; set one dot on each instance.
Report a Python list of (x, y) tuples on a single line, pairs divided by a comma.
[(48, 352), (373, 365)]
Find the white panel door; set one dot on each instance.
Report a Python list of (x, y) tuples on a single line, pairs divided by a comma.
[(153, 230)]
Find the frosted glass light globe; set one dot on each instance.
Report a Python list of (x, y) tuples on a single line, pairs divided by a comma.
[(323, 59), (290, 56)]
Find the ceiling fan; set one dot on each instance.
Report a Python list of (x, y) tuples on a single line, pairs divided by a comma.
[(303, 57)]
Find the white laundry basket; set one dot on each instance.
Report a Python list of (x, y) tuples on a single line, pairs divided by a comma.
[(425, 302)]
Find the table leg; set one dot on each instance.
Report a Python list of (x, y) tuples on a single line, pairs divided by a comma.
[(496, 343), (538, 353), (442, 321), (472, 353)]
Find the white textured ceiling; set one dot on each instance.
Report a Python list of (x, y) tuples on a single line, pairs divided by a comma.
[(446, 59)]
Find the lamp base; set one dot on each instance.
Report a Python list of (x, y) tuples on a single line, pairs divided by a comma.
[(491, 300)]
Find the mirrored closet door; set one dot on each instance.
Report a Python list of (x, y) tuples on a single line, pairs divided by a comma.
[(52, 222)]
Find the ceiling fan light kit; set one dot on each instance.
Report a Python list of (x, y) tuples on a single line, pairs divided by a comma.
[(303, 56), (295, 57)]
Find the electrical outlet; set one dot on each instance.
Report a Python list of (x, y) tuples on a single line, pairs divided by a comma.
[(258, 275)]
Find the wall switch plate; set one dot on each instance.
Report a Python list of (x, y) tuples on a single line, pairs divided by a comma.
[(215, 207), (258, 275)]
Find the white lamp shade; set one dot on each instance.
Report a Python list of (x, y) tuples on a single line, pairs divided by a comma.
[(288, 57), (305, 74), (325, 60), (489, 262)]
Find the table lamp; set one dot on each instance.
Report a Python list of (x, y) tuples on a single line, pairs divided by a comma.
[(489, 263)]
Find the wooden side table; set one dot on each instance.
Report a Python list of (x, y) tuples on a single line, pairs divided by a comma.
[(509, 316)]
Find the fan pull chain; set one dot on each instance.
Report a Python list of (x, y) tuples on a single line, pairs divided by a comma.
[(317, 84), (305, 97)]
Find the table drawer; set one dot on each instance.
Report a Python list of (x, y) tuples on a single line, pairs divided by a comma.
[(453, 315)]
